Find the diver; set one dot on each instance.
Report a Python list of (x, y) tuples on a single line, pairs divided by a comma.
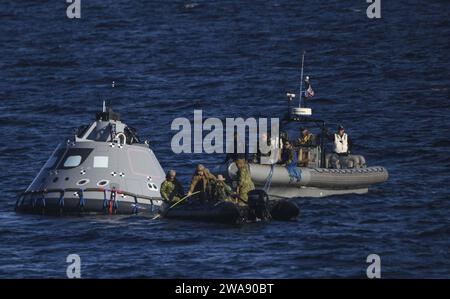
[(289, 159), (221, 191), (202, 181), (171, 189), (341, 146), (245, 183)]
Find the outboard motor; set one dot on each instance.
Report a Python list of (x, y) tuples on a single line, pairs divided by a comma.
[(258, 205), (284, 210)]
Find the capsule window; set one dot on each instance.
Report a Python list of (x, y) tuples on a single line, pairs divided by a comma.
[(72, 161), (74, 157), (101, 161)]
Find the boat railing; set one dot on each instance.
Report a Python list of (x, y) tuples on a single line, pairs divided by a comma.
[(80, 191)]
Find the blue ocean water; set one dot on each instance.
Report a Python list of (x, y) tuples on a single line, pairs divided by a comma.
[(386, 80)]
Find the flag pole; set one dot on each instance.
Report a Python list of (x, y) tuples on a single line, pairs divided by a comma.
[(301, 81)]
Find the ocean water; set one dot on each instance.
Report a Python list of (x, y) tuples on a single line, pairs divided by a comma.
[(387, 80)]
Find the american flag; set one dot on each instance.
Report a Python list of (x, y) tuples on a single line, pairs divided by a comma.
[(309, 92)]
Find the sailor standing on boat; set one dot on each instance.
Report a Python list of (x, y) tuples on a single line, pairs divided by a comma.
[(342, 146), (306, 138), (306, 141), (245, 183)]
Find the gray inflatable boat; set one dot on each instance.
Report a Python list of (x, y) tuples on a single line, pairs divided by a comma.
[(318, 175), (103, 169), (313, 182)]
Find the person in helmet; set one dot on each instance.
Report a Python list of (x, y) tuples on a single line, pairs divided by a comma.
[(221, 191), (171, 189)]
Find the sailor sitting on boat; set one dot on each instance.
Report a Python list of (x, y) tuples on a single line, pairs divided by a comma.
[(290, 159)]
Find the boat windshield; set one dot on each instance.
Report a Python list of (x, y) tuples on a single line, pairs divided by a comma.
[(100, 134)]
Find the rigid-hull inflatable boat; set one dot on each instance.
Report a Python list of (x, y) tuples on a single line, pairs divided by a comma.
[(313, 182)]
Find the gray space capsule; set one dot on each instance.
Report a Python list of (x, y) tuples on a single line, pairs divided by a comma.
[(104, 169)]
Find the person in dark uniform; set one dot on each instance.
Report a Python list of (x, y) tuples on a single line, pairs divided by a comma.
[(289, 159)]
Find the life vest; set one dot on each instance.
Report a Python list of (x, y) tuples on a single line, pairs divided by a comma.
[(340, 143), (305, 139)]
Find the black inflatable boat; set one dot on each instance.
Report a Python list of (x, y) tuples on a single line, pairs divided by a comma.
[(259, 208)]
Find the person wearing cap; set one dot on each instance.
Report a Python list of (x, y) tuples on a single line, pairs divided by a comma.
[(221, 191), (341, 142), (171, 188), (341, 146), (201, 181)]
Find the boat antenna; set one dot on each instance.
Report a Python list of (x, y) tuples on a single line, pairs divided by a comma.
[(113, 84), (301, 81)]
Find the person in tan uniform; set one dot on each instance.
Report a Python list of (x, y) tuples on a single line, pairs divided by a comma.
[(171, 188), (221, 191), (245, 183), (202, 181)]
